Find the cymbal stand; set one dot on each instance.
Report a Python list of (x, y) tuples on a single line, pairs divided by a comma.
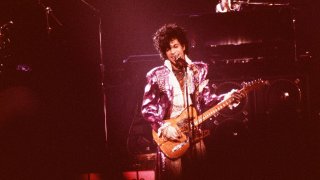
[(49, 13), (101, 65), (294, 33)]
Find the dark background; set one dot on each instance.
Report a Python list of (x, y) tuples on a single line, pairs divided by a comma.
[(52, 122)]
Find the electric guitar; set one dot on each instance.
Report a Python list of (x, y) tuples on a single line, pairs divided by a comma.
[(176, 148)]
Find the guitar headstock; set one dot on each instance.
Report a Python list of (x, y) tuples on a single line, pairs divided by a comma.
[(253, 84)]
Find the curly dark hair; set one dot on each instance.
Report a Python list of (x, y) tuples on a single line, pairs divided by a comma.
[(167, 33)]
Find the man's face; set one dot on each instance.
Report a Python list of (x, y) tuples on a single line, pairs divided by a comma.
[(175, 51)]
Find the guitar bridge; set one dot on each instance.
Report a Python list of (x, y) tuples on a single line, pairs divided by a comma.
[(179, 146)]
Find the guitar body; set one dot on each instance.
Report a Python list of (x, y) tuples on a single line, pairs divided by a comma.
[(175, 149)]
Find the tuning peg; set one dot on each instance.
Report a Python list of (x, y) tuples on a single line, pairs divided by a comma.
[(267, 82), (243, 84)]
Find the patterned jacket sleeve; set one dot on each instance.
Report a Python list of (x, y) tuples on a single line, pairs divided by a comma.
[(206, 97), (153, 106)]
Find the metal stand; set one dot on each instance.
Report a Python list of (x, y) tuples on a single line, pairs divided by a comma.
[(49, 13), (294, 33), (190, 118), (102, 67)]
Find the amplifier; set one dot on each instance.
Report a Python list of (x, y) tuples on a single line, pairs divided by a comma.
[(139, 175)]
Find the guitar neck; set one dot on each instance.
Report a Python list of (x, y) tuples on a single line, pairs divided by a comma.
[(213, 111), (226, 102)]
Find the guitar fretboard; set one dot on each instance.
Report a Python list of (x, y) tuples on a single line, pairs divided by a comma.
[(213, 111)]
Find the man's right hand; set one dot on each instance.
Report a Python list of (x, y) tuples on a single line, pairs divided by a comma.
[(169, 132)]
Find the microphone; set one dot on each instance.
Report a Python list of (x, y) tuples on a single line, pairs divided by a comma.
[(182, 62)]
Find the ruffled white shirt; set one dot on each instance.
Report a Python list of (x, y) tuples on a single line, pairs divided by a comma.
[(179, 102)]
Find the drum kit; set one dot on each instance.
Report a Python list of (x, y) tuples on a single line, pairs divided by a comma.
[(239, 5)]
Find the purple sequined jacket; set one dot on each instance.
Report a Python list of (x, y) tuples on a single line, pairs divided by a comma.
[(158, 94)]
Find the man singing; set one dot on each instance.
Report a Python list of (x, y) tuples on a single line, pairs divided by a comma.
[(170, 88)]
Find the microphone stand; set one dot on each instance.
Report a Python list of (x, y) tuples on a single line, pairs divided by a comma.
[(294, 25), (190, 118), (101, 65), (49, 13)]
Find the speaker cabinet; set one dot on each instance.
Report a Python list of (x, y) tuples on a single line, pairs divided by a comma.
[(283, 94), (279, 126), (281, 109)]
